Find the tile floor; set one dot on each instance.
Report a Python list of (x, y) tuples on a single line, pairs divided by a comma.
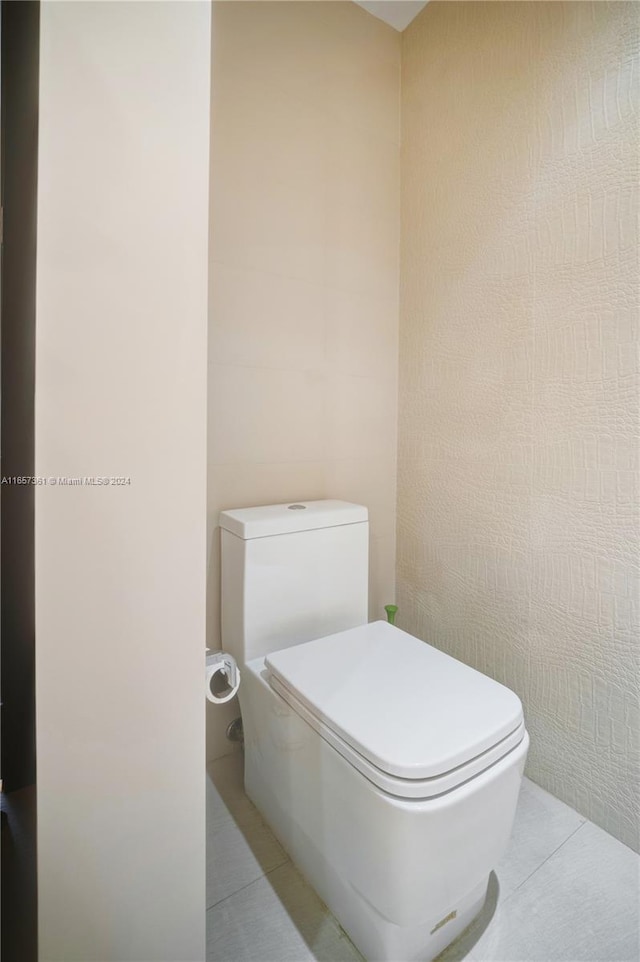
[(564, 892)]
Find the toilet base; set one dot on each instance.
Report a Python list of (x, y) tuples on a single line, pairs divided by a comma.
[(377, 938), (404, 877)]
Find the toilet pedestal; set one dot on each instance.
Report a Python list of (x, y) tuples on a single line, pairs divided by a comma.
[(403, 877)]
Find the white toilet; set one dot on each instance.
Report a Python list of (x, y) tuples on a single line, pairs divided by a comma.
[(388, 770)]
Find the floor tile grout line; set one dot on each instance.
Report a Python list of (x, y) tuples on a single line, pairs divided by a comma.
[(544, 861), (249, 884)]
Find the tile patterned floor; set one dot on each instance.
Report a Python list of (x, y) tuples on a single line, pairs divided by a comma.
[(565, 891)]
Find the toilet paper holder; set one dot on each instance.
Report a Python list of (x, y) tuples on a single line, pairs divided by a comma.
[(221, 662)]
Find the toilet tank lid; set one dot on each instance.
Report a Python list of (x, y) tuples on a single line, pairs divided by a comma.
[(272, 519)]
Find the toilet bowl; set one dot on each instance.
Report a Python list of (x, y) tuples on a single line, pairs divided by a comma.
[(388, 770)]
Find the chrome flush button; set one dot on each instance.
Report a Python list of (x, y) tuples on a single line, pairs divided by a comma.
[(297, 507)]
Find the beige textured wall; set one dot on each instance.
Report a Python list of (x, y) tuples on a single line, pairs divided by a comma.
[(518, 448), (304, 272), (121, 382)]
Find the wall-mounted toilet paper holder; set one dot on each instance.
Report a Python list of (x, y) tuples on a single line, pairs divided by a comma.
[(221, 666)]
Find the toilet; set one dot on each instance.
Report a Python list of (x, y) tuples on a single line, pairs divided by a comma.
[(388, 770)]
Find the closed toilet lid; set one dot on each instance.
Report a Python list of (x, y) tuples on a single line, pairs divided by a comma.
[(411, 710)]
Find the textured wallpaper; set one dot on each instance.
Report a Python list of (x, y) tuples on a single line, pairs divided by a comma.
[(518, 420)]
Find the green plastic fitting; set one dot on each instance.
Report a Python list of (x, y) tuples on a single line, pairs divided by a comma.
[(391, 613)]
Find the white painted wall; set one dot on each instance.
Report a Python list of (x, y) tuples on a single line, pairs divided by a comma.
[(121, 391), (304, 271)]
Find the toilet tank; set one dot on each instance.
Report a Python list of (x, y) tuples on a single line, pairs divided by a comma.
[(292, 573)]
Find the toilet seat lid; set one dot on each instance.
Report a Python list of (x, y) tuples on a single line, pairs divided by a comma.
[(411, 710)]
